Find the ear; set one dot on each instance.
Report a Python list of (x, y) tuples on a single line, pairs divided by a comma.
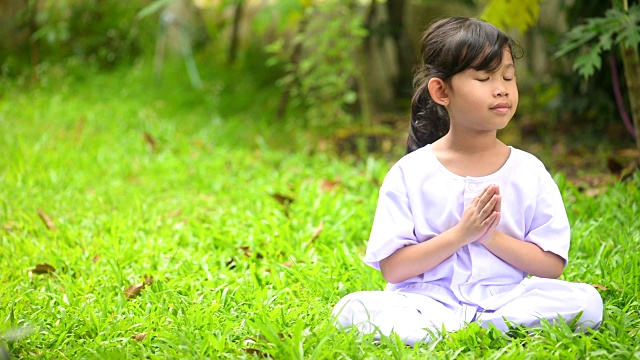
[(439, 91)]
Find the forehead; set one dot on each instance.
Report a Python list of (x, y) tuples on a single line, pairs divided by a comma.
[(506, 63)]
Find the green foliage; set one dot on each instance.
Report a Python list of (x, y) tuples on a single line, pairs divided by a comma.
[(105, 32), (320, 61), (600, 34), (508, 14)]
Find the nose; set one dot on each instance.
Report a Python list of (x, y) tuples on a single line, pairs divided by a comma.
[(500, 90)]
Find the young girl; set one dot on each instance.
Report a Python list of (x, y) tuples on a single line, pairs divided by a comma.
[(463, 219)]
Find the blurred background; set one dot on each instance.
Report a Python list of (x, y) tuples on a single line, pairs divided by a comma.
[(340, 72)]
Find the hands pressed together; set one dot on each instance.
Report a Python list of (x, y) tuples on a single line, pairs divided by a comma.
[(481, 217)]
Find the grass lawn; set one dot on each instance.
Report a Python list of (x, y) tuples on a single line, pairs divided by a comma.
[(245, 235)]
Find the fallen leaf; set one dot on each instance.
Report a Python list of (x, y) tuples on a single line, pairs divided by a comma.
[(172, 214), (255, 352), (328, 185), (47, 220), (316, 233), (43, 269), (96, 259), (287, 264), (79, 127), (10, 226), (599, 287), (246, 251), (283, 199), (133, 290), (139, 337), (252, 350), (151, 141)]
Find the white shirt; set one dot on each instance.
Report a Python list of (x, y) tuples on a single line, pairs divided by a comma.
[(420, 199)]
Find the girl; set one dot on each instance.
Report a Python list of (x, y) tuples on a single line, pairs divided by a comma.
[(463, 219)]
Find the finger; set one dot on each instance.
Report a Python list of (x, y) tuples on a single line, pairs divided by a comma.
[(484, 197), (495, 222), (479, 196), (498, 206), (489, 207), (492, 221)]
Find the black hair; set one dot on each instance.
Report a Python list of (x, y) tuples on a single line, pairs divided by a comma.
[(450, 46)]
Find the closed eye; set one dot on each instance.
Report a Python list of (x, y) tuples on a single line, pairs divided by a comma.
[(483, 79)]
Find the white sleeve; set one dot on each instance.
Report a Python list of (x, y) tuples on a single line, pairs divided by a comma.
[(549, 228), (393, 226)]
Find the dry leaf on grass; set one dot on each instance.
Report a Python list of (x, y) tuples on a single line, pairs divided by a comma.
[(139, 336), (599, 287), (95, 259), (134, 290), (327, 185), (43, 269), (250, 347), (316, 233), (173, 214), (47, 220), (284, 200), (79, 127), (151, 141), (10, 226), (246, 251)]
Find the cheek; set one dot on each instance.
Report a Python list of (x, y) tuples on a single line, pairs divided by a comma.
[(513, 90)]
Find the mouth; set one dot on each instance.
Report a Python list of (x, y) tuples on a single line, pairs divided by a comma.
[(501, 107)]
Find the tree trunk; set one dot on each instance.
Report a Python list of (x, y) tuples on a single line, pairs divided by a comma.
[(631, 61), (404, 49), (235, 34), (34, 48)]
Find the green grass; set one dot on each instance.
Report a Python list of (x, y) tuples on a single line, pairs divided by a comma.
[(160, 180)]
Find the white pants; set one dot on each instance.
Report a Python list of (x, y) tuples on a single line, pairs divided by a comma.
[(413, 316)]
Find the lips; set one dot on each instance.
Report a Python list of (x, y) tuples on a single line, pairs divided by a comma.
[(501, 106)]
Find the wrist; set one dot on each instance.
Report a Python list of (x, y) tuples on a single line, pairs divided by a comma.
[(459, 236), (489, 239)]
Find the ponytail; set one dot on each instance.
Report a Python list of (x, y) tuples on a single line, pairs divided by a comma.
[(429, 120)]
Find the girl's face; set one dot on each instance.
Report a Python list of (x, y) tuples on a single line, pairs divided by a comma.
[(482, 100)]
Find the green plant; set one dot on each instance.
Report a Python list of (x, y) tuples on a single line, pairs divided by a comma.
[(319, 61), (104, 32), (619, 28), (507, 14)]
